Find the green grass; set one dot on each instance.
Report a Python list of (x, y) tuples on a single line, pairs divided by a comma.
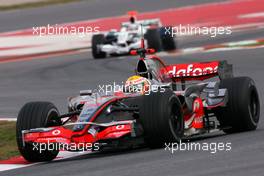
[(34, 4), (8, 146)]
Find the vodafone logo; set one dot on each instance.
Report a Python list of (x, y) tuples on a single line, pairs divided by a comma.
[(56, 132), (192, 70), (119, 127)]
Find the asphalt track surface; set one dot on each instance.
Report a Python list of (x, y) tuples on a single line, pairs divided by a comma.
[(56, 78), (86, 9)]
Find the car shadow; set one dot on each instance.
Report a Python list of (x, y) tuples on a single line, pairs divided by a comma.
[(115, 152)]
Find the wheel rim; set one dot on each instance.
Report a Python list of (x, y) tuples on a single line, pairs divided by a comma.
[(175, 122), (254, 106), (52, 119)]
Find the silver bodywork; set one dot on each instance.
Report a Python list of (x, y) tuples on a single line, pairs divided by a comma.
[(129, 36)]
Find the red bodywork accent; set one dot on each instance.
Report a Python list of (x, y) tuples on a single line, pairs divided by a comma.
[(151, 51), (67, 136), (198, 109), (196, 116), (133, 52)]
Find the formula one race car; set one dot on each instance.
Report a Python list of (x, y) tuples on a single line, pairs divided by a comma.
[(160, 104), (129, 37)]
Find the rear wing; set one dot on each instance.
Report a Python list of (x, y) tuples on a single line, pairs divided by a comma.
[(200, 70), (148, 22)]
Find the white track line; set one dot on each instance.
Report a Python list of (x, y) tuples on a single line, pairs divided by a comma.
[(5, 167), (61, 156), (8, 119)]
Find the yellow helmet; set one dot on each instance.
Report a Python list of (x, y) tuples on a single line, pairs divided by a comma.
[(137, 84)]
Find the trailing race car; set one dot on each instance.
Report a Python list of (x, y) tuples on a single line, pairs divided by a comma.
[(156, 106), (129, 38)]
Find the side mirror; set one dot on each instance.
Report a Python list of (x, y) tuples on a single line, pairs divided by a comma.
[(144, 51), (133, 52), (151, 51)]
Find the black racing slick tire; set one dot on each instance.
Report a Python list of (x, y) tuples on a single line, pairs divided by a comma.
[(168, 41), (36, 115), (153, 39), (162, 118), (98, 39), (243, 108)]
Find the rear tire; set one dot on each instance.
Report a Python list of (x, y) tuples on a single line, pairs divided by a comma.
[(153, 39), (98, 39), (36, 115), (243, 107), (162, 118), (168, 41)]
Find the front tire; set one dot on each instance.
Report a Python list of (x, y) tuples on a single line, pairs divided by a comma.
[(162, 118), (153, 39), (243, 107), (168, 42), (98, 39), (36, 115)]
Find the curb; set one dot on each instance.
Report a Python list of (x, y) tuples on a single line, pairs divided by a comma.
[(8, 119)]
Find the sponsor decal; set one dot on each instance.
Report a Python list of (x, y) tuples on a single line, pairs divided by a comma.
[(119, 127), (56, 132), (185, 70)]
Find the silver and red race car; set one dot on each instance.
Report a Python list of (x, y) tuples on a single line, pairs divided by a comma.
[(160, 104), (121, 42)]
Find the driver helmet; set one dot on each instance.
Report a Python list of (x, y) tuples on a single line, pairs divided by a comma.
[(137, 84), (132, 19), (132, 16)]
